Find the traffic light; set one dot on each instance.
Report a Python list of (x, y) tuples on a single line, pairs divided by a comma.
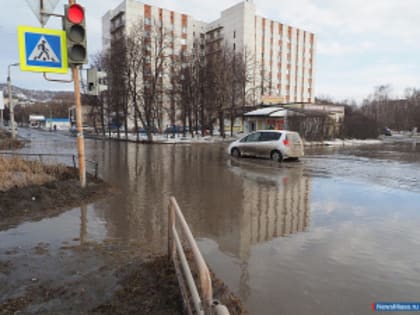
[(74, 24)]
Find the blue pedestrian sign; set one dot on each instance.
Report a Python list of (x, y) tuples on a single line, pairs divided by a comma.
[(42, 50)]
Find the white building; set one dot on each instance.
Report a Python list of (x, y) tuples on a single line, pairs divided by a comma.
[(284, 56), (184, 27)]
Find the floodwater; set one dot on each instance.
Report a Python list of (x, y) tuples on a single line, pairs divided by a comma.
[(330, 234)]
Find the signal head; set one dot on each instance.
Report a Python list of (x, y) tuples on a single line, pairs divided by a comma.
[(76, 14)]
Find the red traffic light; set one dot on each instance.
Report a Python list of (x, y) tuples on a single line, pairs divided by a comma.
[(75, 14)]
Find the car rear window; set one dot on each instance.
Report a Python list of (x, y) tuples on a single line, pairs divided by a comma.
[(270, 136), (293, 137)]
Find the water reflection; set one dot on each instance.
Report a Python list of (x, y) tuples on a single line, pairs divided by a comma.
[(276, 202), (233, 205), (289, 239), (83, 224)]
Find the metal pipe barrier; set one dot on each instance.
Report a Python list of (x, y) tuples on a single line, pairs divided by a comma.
[(202, 302), (41, 156)]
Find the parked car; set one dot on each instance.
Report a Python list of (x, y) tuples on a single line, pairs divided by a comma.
[(176, 129), (275, 144), (143, 130), (86, 129), (173, 129), (387, 131)]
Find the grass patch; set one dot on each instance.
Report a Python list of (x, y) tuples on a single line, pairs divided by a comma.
[(17, 173), (7, 143)]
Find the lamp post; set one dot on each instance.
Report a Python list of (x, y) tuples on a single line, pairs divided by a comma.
[(1, 109), (12, 113)]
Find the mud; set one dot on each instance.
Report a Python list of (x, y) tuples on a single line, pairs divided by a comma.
[(79, 276), (93, 278), (35, 202), (7, 143)]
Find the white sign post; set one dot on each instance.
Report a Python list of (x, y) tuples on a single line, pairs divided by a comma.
[(1, 108)]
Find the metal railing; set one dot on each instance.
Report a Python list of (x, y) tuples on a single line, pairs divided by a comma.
[(202, 302), (43, 156)]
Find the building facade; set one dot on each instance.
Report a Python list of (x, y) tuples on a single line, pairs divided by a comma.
[(282, 56), (184, 28)]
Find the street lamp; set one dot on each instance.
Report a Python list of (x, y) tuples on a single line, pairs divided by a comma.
[(12, 113)]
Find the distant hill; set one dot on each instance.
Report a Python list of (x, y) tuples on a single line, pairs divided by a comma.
[(27, 97)]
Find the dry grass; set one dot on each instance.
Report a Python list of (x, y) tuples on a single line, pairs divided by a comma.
[(4, 134), (7, 143), (16, 172)]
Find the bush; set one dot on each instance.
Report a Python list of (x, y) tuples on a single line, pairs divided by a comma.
[(358, 126)]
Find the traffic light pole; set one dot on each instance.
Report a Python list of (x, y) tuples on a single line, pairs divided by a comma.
[(80, 138)]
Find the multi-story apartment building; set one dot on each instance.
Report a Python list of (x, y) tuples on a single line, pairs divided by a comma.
[(283, 57), (184, 28)]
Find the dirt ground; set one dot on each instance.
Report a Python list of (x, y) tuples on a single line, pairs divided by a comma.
[(7, 143), (34, 202), (80, 277), (92, 278)]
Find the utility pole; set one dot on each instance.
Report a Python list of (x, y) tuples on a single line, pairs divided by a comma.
[(1, 109), (80, 137), (74, 26), (12, 113), (41, 10)]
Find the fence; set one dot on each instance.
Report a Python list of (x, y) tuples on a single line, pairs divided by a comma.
[(203, 303), (71, 159)]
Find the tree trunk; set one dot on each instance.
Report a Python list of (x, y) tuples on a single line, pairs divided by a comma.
[(102, 116), (136, 126), (222, 123), (232, 121)]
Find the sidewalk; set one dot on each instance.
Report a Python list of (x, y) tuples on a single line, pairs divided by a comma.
[(166, 139), (179, 139)]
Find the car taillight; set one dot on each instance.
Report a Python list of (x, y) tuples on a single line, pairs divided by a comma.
[(286, 142)]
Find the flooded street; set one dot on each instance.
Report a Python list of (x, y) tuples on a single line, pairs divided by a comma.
[(330, 234)]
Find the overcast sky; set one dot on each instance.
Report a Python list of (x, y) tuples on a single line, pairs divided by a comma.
[(361, 44)]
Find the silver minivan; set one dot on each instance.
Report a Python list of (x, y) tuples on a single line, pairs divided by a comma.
[(278, 145)]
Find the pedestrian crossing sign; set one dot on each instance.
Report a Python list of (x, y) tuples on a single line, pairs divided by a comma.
[(42, 50)]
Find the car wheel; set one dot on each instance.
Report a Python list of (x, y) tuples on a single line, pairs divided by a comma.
[(235, 153), (276, 156)]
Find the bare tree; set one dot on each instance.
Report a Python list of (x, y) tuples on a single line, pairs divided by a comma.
[(147, 48), (402, 113), (97, 102), (116, 68), (242, 89)]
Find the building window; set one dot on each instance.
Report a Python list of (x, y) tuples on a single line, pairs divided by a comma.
[(184, 29), (183, 41), (147, 21)]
